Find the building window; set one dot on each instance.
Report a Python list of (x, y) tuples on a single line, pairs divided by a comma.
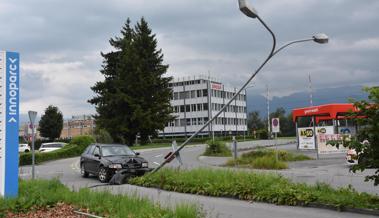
[(205, 92), (188, 108), (188, 121), (205, 106), (199, 93), (200, 121), (199, 107), (193, 107), (193, 94)]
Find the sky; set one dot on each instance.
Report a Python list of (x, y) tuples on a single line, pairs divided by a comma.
[(60, 44)]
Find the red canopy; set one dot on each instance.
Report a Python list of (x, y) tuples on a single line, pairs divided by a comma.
[(324, 112)]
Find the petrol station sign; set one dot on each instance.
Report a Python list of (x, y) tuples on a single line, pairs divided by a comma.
[(9, 118)]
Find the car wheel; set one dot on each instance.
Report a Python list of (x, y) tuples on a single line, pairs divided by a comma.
[(103, 174), (83, 171)]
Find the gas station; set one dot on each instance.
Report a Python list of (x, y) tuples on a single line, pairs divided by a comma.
[(328, 122)]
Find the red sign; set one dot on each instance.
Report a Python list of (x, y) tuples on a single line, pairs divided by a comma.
[(216, 86)]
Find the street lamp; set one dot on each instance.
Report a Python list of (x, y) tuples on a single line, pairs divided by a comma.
[(249, 11)]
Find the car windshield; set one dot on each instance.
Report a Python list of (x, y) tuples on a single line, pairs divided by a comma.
[(52, 146), (117, 151)]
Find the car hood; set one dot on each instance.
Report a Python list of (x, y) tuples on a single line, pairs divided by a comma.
[(125, 159)]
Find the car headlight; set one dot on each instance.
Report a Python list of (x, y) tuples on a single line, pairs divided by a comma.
[(115, 166), (145, 165)]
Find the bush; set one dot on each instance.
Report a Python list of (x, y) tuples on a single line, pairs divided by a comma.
[(83, 140), (39, 194), (263, 187), (217, 148)]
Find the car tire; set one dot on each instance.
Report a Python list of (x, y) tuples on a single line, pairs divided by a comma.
[(83, 171), (103, 174)]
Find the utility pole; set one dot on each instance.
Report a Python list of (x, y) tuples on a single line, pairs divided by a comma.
[(268, 112), (310, 90)]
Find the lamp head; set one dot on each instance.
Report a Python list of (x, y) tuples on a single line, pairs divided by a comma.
[(247, 9), (321, 38)]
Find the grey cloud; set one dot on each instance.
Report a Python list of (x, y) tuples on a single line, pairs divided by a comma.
[(196, 36)]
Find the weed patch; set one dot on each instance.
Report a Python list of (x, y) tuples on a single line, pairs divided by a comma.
[(266, 159)]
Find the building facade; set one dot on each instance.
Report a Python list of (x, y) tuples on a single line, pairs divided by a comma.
[(78, 125), (196, 100)]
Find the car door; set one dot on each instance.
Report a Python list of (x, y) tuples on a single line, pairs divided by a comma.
[(93, 160), (84, 158)]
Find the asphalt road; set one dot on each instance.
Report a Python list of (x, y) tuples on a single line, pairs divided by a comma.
[(327, 170)]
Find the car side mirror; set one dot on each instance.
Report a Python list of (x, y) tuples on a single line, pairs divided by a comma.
[(137, 153), (97, 155)]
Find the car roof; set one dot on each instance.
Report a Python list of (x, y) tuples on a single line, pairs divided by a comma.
[(49, 143)]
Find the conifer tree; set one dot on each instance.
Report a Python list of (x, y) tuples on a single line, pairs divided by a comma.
[(134, 97)]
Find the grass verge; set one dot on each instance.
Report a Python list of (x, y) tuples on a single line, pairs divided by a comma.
[(263, 187), (266, 159), (217, 149), (38, 194)]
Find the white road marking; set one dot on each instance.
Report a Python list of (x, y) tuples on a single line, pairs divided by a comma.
[(159, 155), (156, 163)]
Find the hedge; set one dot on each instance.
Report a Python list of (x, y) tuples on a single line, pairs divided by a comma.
[(75, 148)]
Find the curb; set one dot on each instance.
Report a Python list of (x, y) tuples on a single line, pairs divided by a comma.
[(344, 209)]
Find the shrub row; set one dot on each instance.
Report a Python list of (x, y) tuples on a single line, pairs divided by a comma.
[(263, 187), (38, 194), (75, 148)]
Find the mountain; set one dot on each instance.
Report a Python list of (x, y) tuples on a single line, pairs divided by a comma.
[(301, 99)]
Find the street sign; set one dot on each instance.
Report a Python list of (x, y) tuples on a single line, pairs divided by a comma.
[(9, 111), (275, 125), (32, 117), (177, 156)]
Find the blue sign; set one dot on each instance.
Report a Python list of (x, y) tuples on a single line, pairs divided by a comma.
[(9, 127)]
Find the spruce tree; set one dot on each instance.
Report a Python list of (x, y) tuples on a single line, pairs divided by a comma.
[(134, 98)]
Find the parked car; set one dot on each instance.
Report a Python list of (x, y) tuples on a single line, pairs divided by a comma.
[(23, 148), (51, 146), (104, 160)]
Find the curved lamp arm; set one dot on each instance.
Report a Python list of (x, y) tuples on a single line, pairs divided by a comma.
[(290, 43)]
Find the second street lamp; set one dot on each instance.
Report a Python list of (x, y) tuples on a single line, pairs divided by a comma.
[(249, 11)]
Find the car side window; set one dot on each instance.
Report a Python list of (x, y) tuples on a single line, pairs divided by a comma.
[(96, 151), (89, 149)]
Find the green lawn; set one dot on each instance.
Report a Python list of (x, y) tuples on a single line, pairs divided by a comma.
[(39, 194), (263, 187)]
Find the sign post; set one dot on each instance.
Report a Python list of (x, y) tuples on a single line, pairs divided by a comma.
[(275, 129), (234, 148), (9, 111), (32, 118)]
